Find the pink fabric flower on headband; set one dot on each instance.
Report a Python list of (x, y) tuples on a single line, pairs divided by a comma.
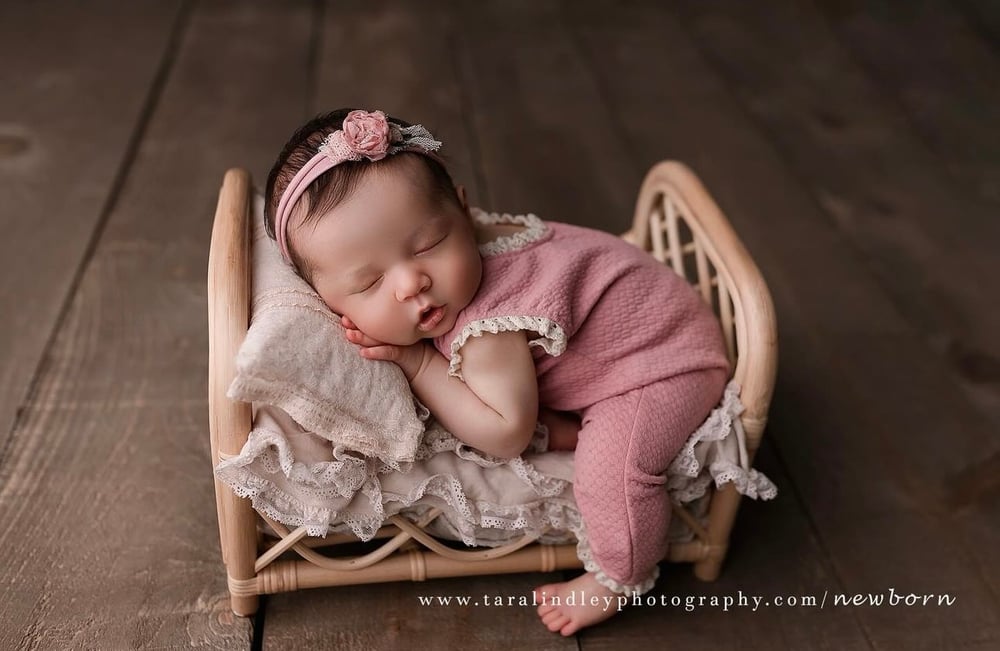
[(367, 134)]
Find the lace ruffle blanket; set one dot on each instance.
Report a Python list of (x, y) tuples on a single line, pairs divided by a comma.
[(301, 479)]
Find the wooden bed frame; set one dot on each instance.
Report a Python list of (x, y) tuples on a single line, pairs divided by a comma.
[(675, 220)]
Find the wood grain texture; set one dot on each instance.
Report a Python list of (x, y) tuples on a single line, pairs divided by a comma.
[(75, 95), (852, 152), (930, 245), (928, 57), (390, 616), (547, 144), (854, 456), (107, 507), (984, 17), (403, 60)]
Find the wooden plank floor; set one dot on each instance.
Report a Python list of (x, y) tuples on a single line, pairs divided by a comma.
[(854, 146)]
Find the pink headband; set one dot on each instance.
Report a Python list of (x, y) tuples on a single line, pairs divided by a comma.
[(363, 135)]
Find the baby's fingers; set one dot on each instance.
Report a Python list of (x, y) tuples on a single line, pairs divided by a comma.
[(361, 339), (382, 353), (354, 334)]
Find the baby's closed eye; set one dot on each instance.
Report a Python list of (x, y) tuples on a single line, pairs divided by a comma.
[(367, 284), (431, 243)]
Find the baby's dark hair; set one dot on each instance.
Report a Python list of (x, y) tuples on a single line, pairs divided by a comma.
[(336, 185)]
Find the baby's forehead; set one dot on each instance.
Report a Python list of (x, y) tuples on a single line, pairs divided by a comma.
[(361, 237), (408, 166)]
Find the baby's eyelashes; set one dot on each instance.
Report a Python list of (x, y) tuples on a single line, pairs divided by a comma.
[(431, 245), (365, 287)]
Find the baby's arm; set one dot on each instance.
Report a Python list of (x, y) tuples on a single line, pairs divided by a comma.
[(494, 410)]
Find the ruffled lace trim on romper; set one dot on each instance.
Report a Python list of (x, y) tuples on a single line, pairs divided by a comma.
[(534, 229), (552, 338)]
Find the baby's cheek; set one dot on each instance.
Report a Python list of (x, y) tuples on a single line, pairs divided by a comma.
[(385, 325)]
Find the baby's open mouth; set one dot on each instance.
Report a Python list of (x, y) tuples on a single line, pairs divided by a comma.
[(430, 317)]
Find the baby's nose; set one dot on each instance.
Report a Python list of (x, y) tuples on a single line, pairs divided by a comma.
[(412, 284)]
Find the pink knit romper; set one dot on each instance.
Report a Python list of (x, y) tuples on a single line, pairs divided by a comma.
[(624, 341)]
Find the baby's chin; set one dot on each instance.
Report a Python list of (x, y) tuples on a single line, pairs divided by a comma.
[(413, 336), (402, 340)]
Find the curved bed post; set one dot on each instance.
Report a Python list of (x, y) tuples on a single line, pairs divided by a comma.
[(672, 192), (230, 421)]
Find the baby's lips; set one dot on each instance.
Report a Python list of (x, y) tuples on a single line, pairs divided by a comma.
[(430, 318)]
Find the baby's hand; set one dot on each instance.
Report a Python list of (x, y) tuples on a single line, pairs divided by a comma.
[(408, 358)]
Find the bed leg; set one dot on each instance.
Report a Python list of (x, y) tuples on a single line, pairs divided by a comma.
[(709, 568), (721, 516), (244, 606), (241, 544)]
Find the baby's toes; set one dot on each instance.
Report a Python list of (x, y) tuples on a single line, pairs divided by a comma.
[(545, 593), (569, 628), (555, 620)]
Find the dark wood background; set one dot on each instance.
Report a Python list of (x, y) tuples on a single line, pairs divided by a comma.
[(854, 145)]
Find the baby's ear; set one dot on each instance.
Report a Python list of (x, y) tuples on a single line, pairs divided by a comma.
[(462, 199)]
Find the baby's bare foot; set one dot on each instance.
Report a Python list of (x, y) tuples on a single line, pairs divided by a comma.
[(592, 603)]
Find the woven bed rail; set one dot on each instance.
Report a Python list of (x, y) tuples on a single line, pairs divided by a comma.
[(405, 540)]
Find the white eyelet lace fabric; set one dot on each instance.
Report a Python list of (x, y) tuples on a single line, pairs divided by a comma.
[(534, 230), (717, 452), (552, 338)]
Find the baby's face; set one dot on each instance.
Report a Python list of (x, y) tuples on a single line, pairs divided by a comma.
[(390, 259)]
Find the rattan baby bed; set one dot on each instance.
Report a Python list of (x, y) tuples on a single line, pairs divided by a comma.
[(675, 219)]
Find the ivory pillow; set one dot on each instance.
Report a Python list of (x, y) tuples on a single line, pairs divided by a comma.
[(295, 357)]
